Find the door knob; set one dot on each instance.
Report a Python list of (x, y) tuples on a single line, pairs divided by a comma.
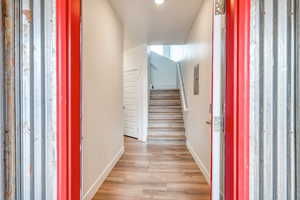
[(208, 122)]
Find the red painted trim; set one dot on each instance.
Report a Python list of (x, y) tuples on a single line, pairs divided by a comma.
[(62, 102), (237, 100), (68, 99)]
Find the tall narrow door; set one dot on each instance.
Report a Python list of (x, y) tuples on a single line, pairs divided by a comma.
[(218, 138), (131, 88)]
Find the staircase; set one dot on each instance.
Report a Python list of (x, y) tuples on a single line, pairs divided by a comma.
[(166, 124)]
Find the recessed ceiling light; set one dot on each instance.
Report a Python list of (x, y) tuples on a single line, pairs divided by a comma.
[(159, 2)]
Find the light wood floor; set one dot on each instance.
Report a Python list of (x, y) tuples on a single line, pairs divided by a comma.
[(154, 172)]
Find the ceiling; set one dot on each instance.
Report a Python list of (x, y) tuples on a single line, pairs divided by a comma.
[(169, 23)]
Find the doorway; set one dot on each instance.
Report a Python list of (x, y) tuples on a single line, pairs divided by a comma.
[(237, 91)]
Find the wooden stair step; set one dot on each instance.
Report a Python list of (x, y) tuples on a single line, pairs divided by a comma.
[(176, 134), (165, 110), (166, 132), (166, 120), (177, 97), (166, 129), (167, 91), (164, 94), (165, 103), (176, 137), (166, 139), (166, 124), (166, 113), (166, 107), (165, 116), (155, 114)]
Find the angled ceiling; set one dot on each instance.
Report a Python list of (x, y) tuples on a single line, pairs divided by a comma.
[(169, 23)]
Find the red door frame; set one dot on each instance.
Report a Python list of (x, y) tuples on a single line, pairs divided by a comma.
[(69, 101), (237, 100)]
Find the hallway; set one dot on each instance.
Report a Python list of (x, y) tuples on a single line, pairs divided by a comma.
[(155, 88), (154, 172)]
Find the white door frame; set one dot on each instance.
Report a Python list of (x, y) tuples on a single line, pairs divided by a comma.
[(219, 65), (143, 95)]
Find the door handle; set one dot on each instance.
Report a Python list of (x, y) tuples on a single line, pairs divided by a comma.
[(208, 122)]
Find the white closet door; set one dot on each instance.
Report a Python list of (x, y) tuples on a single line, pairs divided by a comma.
[(131, 88)]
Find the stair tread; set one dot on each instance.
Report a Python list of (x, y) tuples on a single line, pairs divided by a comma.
[(177, 100), (165, 98), (165, 109), (169, 139), (167, 133), (157, 114), (155, 119), (164, 106), (166, 124), (158, 108), (164, 90), (167, 120), (165, 116), (166, 136), (170, 110), (163, 127), (165, 94), (167, 128)]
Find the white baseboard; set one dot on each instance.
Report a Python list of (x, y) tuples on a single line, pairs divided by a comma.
[(200, 164), (101, 178)]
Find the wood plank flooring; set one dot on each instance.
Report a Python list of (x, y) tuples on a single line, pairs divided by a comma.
[(154, 172)]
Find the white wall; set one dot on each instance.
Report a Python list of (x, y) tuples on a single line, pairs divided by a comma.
[(199, 51), (102, 93), (163, 72), (136, 57)]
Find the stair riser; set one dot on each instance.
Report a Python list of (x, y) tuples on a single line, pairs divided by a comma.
[(166, 107), (164, 103), (177, 120), (166, 139), (165, 97), (164, 132), (166, 135), (166, 129), (166, 122), (166, 126), (162, 117), (164, 92), (165, 111)]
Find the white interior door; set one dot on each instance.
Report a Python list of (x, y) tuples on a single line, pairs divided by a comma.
[(218, 138), (131, 91)]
